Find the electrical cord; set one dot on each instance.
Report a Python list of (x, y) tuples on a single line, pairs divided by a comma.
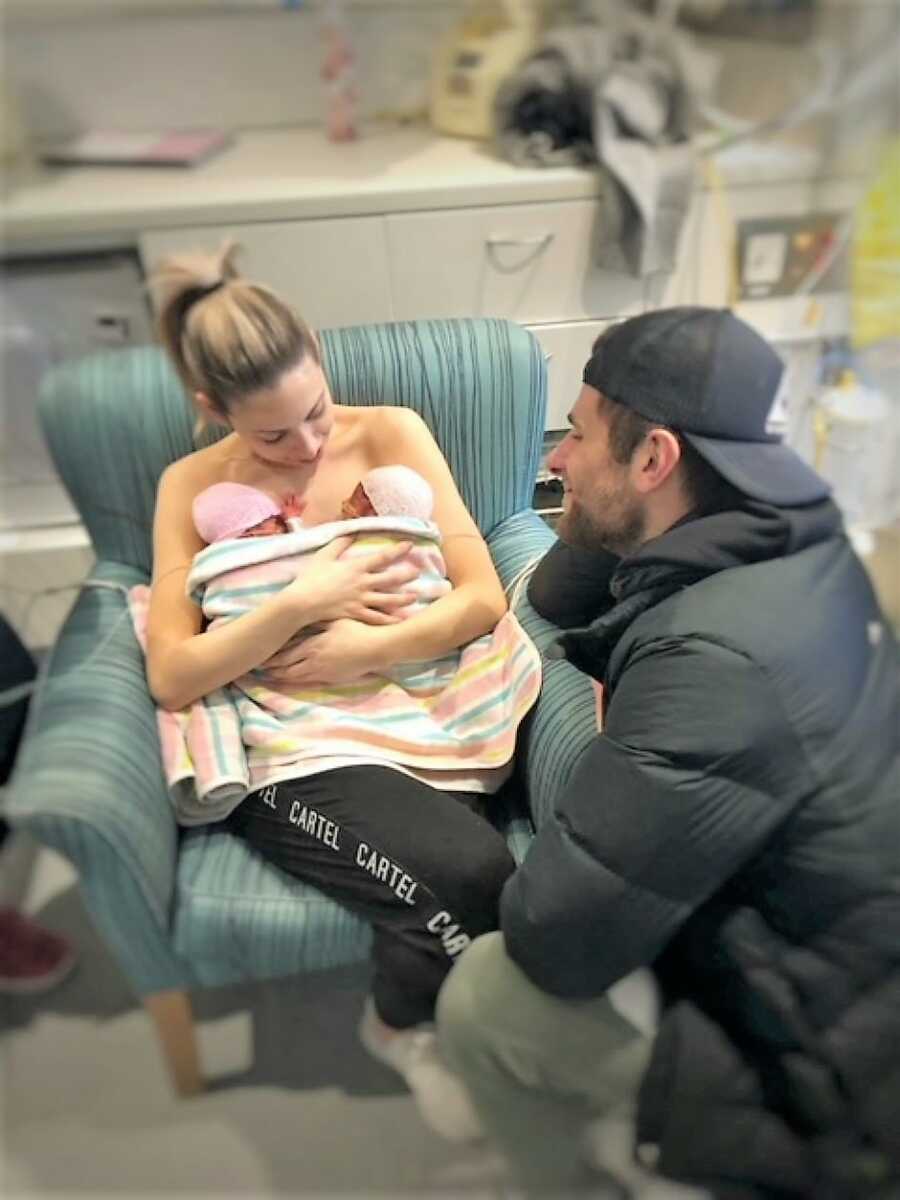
[(23, 691), (832, 90), (35, 597)]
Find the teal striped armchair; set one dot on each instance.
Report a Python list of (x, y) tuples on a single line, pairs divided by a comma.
[(182, 910)]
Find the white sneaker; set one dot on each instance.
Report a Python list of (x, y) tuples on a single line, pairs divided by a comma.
[(440, 1096)]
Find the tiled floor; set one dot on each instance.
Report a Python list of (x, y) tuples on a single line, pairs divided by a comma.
[(298, 1108)]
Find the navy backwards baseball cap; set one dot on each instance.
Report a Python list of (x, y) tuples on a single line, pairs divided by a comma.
[(713, 379)]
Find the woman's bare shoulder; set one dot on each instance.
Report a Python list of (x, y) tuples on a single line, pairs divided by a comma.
[(392, 424), (396, 415), (371, 432), (197, 470)]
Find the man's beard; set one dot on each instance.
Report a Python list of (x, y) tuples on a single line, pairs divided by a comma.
[(620, 529)]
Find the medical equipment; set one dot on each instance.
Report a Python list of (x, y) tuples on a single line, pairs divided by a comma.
[(474, 59)]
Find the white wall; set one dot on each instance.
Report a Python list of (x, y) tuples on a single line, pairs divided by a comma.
[(234, 69), (259, 66)]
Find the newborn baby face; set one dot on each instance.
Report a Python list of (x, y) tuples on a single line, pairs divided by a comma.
[(359, 505), (276, 524)]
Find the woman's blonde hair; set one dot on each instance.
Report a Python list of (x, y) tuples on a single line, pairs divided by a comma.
[(227, 337)]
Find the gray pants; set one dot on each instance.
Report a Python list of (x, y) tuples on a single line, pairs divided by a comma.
[(537, 1067)]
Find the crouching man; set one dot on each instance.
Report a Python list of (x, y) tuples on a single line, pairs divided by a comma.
[(736, 825)]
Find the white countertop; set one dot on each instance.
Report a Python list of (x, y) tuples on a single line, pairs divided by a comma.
[(294, 173), (282, 174)]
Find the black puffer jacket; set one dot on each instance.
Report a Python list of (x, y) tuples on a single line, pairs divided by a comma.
[(738, 825)]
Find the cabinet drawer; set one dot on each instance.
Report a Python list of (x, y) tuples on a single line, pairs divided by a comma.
[(528, 262), (333, 272), (567, 347)]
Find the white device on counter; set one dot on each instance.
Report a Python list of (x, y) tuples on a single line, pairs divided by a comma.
[(474, 59)]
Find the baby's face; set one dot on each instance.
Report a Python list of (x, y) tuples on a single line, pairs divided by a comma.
[(359, 505), (276, 524)]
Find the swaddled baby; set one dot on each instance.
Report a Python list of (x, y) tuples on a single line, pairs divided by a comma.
[(234, 510), (450, 719)]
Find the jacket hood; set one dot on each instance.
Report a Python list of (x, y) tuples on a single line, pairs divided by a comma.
[(690, 551)]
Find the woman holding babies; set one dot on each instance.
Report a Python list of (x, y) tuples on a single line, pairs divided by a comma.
[(408, 849)]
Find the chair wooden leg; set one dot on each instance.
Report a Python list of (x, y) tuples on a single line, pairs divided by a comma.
[(174, 1020)]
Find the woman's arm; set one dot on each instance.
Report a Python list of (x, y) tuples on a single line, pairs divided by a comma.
[(477, 601), (474, 606), (183, 663)]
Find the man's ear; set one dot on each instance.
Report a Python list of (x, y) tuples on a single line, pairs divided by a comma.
[(208, 411), (656, 459)]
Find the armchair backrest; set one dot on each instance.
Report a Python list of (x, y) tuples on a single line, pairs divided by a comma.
[(114, 421)]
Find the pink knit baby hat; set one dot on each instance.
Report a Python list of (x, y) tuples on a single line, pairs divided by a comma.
[(399, 492), (228, 509)]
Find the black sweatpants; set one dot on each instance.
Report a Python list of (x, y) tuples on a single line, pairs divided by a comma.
[(422, 865)]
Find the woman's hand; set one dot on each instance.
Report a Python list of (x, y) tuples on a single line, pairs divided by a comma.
[(362, 588), (343, 652)]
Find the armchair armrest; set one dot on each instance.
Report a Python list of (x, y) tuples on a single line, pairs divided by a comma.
[(517, 543), (563, 722), (89, 781)]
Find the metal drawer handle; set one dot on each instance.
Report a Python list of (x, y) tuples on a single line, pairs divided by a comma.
[(542, 240)]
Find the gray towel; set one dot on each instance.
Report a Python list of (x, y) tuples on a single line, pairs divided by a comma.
[(616, 97)]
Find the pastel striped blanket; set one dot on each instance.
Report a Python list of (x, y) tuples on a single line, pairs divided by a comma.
[(451, 722)]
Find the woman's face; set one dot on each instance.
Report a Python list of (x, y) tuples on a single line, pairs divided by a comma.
[(289, 424)]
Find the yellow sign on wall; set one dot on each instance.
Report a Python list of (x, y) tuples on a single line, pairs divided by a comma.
[(875, 280)]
